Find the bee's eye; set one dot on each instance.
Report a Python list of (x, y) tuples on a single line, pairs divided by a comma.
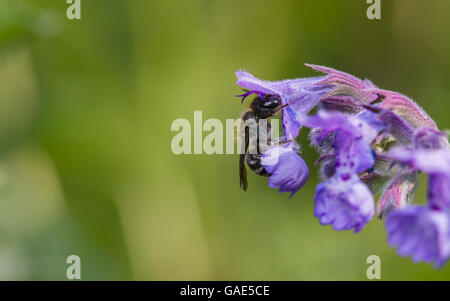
[(270, 102)]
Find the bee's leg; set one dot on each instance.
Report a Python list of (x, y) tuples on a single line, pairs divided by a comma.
[(279, 108), (283, 142)]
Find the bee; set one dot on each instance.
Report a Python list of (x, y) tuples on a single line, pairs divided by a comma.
[(262, 107)]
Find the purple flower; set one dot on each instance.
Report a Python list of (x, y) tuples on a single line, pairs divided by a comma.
[(435, 162), (352, 138), (301, 94), (432, 161), (430, 154), (430, 138), (345, 204), (343, 200), (421, 232), (288, 171)]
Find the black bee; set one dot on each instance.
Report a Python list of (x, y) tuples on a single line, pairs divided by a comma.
[(262, 107)]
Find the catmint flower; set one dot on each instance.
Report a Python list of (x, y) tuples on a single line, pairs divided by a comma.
[(435, 162), (423, 232), (288, 171), (343, 200), (345, 204), (352, 137)]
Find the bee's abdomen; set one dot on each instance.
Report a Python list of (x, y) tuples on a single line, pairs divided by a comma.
[(254, 163)]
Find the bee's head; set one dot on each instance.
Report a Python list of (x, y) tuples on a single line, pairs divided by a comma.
[(266, 106)]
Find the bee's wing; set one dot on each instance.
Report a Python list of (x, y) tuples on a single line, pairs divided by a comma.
[(242, 170)]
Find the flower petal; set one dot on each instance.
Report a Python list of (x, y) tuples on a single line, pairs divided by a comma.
[(429, 138), (247, 80), (288, 171), (432, 161), (344, 205), (439, 190)]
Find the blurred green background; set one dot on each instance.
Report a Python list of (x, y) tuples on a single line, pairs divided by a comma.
[(86, 106)]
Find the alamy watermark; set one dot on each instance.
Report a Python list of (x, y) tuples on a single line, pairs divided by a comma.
[(230, 137), (374, 270), (73, 271), (374, 10), (73, 12)]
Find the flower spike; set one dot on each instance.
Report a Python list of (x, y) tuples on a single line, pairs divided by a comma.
[(370, 141)]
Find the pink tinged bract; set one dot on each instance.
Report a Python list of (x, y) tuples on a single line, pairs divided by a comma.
[(398, 194), (346, 86), (405, 107)]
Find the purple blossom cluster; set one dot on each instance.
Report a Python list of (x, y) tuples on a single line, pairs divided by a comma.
[(371, 142)]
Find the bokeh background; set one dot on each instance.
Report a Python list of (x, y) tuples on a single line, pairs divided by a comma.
[(86, 107)]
